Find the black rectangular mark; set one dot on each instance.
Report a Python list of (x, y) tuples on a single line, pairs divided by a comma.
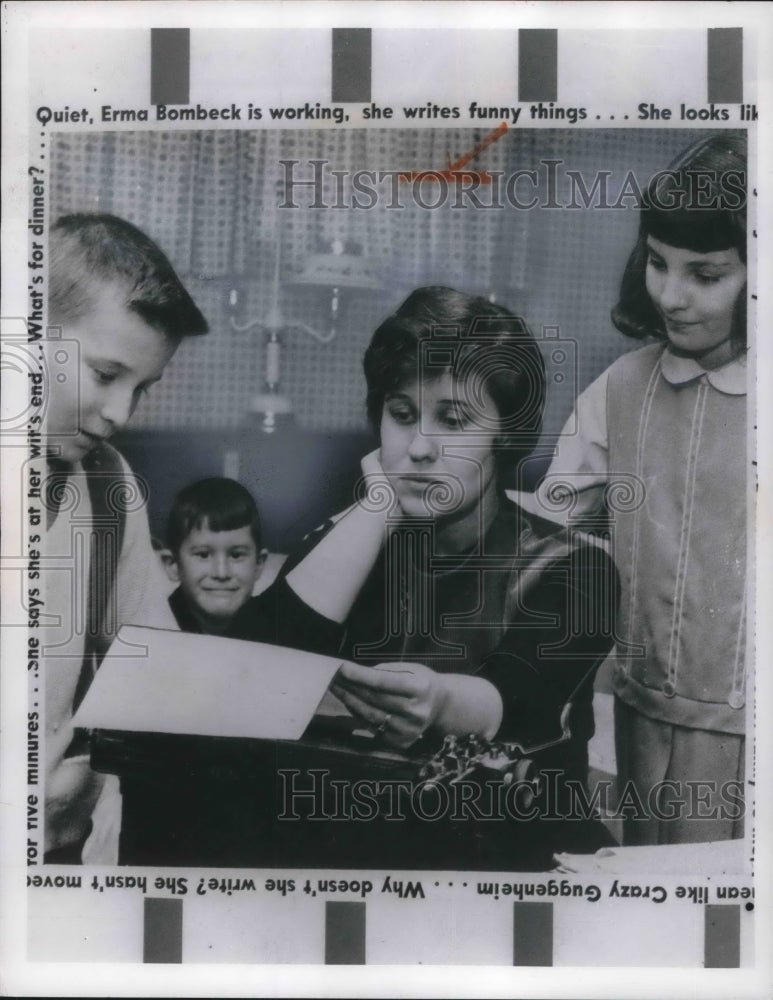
[(351, 65), (162, 940), (725, 65), (533, 934), (537, 64), (170, 65), (722, 938), (345, 934)]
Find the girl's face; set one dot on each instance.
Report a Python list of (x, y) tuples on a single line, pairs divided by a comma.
[(696, 294), (437, 449)]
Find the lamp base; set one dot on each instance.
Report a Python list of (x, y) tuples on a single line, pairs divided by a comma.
[(269, 412)]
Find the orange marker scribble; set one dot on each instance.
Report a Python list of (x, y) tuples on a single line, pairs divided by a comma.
[(455, 171)]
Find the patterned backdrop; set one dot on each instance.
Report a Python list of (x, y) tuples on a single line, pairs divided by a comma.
[(212, 200)]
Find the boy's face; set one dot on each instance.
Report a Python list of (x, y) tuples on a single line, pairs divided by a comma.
[(216, 571), (120, 357)]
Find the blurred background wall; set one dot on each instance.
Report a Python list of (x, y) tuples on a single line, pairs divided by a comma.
[(213, 202)]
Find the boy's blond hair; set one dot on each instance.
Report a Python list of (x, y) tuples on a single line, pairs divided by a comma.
[(87, 250)]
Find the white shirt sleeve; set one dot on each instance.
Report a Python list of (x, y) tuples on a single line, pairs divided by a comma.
[(141, 594), (583, 445), (574, 483)]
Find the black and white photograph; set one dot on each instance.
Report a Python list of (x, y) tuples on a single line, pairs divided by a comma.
[(383, 485)]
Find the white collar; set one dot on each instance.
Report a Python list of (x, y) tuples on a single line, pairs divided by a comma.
[(729, 379)]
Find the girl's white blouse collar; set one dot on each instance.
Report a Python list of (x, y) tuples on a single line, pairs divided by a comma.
[(730, 378)]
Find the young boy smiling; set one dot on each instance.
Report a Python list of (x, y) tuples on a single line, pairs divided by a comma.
[(214, 554), (122, 312)]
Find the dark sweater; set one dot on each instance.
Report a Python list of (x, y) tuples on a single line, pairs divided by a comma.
[(531, 611)]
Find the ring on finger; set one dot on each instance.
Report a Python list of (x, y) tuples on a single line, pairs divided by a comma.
[(381, 727)]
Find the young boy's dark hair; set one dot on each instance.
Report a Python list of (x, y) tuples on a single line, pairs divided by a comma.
[(217, 503), (88, 250)]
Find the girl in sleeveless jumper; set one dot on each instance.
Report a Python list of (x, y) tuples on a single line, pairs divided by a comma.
[(667, 425)]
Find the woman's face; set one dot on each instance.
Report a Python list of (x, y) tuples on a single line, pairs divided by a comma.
[(437, 448), (696, 294)]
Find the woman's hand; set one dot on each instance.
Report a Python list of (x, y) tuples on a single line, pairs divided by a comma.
[(399, 701), (374, 491)]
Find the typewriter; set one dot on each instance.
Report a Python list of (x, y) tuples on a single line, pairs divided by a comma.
[(230, 754), (336, 798)]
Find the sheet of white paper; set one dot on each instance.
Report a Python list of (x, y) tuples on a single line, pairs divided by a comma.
[(206, 686), (712, 858)]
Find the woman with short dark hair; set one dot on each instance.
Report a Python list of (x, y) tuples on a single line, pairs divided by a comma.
[(461, 613)]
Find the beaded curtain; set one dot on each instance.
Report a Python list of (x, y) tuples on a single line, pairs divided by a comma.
[(213, 201)]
